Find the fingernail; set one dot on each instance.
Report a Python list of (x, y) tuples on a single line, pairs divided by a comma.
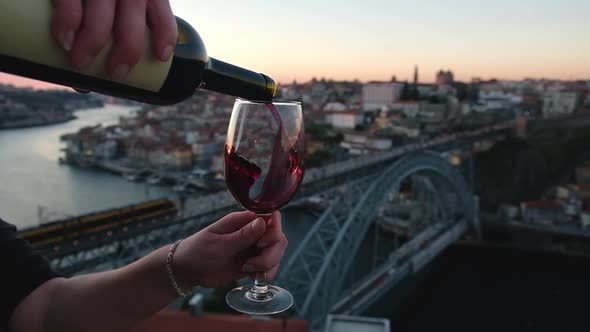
[(258, 225), (120, 72), (166, 53), (68, 40), (248, 268), (85, 62)]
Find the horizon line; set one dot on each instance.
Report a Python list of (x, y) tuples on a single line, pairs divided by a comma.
[(25, 82)]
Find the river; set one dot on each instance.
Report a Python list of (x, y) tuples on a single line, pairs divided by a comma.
[(35, 187)]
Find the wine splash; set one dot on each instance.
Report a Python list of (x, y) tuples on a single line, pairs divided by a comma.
[(266, 193)]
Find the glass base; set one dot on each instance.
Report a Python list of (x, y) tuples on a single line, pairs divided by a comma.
[(276, 300)]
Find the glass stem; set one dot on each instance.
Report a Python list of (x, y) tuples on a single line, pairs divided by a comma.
[(260, 288)]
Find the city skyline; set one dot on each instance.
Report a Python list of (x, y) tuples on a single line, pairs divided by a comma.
[(379, 39)]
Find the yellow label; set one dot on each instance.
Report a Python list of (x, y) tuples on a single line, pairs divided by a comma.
[(25, 34)]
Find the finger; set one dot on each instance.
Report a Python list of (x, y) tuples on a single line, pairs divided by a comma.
[(232, 222), (272, 273), (65, 21), (275, 220), (267, 259), (274, 232), (163, 27), (246, 236), (129, 37), (94, 33)]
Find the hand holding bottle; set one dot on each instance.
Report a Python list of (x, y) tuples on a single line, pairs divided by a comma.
[(83, 29)]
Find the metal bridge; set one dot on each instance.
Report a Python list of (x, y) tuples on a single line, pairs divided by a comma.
[(318, 272)]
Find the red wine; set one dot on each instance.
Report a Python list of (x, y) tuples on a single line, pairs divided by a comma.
[(266, 194)]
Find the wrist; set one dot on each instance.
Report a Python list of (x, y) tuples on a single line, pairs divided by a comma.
[(180, 277)]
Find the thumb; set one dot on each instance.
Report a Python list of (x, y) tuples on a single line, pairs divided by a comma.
[(248, 235)]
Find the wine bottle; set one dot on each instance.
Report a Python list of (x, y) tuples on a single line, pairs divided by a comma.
[(28, 49)]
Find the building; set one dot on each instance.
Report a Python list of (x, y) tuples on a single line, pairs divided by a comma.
[(426, 90), (409, 109), (510, 98), (346, 323), (432, 112), (106, 150), (559, 103), (139, 149), (445, 78), (335, 107), (347, 119), (176, 157), (509, 211), (585, 219), (204, 150), (377, 95), (359, 143), (547, 212), (184, 157), (217, 165), (572, 191)]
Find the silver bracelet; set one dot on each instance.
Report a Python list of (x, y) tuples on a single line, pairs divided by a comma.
[(169, 269)]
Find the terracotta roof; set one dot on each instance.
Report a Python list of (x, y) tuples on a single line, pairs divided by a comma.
[(179, 321)]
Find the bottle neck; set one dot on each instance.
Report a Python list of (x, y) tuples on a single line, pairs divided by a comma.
[(232, 80)]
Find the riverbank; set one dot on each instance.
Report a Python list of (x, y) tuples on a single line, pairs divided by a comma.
[(36, 122)]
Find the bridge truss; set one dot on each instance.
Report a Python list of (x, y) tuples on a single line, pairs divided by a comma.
[(317, 272)]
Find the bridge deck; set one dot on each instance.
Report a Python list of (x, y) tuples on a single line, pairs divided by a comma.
[(408, 259)]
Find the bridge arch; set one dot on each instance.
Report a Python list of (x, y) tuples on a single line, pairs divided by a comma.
[(315, 272)]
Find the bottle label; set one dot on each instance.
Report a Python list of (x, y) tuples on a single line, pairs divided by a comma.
[(25, 34)]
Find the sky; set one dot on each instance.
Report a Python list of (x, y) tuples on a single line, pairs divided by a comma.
[(376, 39)]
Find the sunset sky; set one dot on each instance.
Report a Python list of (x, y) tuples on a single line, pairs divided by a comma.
[(375, 39)]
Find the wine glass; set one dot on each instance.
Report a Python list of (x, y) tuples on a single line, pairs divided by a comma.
[(263, 169)]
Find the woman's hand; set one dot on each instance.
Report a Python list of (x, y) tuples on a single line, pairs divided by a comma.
[(83, 28), (236, 246)]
